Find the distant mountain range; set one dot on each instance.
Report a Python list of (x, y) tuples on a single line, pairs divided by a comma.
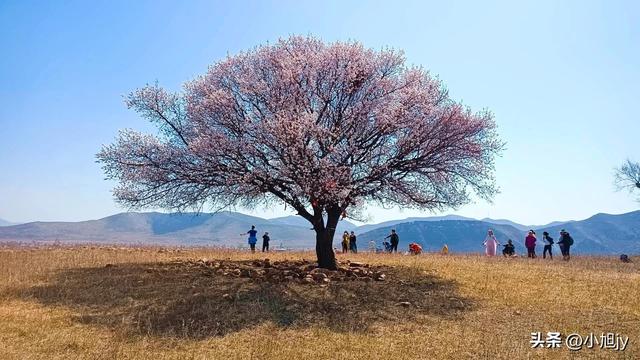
[(599, 234), (369, 227), (520, 226), (6, 223), (218, 229)]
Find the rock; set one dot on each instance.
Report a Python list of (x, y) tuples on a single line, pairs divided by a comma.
[(319, 276), (404, 304), (319, 271), (325, 280), (349, 273), (380, 277), (109, 265), (308, 268), (356, 264), (272, 272), (307, 280), (226, 296)]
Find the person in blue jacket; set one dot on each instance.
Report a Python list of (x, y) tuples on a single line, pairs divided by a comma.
[(252, 238)]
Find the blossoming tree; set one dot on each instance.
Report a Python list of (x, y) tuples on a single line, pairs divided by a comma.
[(322, 128)]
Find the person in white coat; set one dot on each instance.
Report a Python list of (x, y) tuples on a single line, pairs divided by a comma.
[(490, 244)]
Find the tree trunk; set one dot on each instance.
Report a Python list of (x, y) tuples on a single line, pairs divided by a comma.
[(324, 249), (324, 241)]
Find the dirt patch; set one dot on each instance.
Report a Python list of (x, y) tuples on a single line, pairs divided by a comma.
[(203, 298)]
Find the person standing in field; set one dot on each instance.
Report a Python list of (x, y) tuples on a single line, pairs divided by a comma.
[(565, 243), (394, 239), (252, 238), (548, 243), (490, 244), (530, 244), (265, 242), (372, 246), (352, 243), (345, 242)]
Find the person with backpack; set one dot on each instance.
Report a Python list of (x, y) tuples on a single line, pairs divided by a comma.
[(395, 239), (530, 244), (265, 242), (509, 249), (565, 243), (252, 238), (548, 243), (352, 243), (345, 242)]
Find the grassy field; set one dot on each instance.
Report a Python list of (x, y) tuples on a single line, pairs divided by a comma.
[(134, 303)]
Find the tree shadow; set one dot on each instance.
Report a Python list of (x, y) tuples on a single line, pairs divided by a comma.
[(181, 300)]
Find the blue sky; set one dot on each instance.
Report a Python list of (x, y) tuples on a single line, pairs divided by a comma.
[(562, 78)]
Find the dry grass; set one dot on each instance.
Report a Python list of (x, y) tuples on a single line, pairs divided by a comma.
[(61, 303)]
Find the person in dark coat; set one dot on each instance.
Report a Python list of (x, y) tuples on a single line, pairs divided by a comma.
[(352, 243), (394, 239), (565, 243), (265, 242), (509, 249), (548, 243)]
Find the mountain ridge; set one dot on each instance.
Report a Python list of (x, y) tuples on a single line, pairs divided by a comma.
[(598, 234), (4, 222)]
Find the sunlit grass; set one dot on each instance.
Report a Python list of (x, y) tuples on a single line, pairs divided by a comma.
[(487, 309)]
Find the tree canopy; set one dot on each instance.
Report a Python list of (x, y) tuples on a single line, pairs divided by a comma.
[(320, 127), (627, 176)]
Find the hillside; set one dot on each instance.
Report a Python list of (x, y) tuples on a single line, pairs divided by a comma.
[(604, 233), (6, 223), (295, 220), (369, 227), (218, 229), (599, 234), (459, 235)]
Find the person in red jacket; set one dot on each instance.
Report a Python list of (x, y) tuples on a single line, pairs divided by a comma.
[(530, 244), (415, 249)]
